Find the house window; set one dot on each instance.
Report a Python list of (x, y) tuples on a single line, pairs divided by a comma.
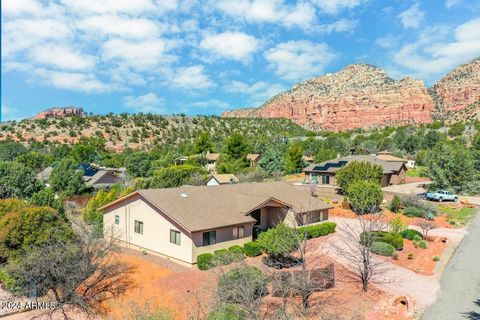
[(175, 237), (325, 179), (138, 227), (117, 219), (209, 238), (238, 232)]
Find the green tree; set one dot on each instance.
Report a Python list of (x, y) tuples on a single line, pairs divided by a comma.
[(324, 154), (203, 143), (10, 150), (456, 129), (365, 196), (431, 138), (138, 164), (358, 171), (175, 176), (18, 181), (280, 241), (91, 214), (451, 166), (237, 146), (29, 226), (84, 153), (35, 160), (67, 178), (294, 158), (271, 161), (46, 198), (228, 164)]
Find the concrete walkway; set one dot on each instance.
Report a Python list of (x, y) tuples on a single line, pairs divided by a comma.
[(460, 285)]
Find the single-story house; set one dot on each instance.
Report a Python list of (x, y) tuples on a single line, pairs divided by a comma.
[(181, 223), (324, 173), (211, 161), (218, 179), (309, 159), (253, 159), (102, 179), (388, 156)]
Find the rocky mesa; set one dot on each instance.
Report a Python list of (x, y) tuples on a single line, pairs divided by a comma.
[(364, 96)]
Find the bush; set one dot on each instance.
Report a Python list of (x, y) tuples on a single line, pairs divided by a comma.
[(224, 256), (414, 212), (365, 196), (280, 241), (436, 258), (205, 261), (410, 234), (236, 248), (419, 242), (383, 249), (227, 311), (318, 230), (392, 238), (251, 281), (252, 249), (395, 204)]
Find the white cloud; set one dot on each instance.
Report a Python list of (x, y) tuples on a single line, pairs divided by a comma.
[(298, 60), (412, 17), (9, 113), (230, 45), (342, 25), (109, 6), (139, 55), (192, 78), (257, 93), (121, 26), (61, 57), (452, 3), (431, 54), (148, 103), (210, 104), (271, 11), (335, 6), (21, 7), (74, 81), (387, 41)]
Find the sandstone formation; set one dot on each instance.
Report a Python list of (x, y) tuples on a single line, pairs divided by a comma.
[(458, 89), (60, 112), (362, 96), (357, 96)]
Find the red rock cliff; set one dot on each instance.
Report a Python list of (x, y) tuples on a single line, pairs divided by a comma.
[(357, 96), (60, 112), (458, 89)]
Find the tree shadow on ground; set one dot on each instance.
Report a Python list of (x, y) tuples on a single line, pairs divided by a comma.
[(473, 315)]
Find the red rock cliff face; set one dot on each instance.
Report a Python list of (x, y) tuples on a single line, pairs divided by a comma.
[(458, 89), (60, 112), (357, 96)]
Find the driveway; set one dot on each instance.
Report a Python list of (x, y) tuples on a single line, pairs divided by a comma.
[(406, 188), (395, 280), (460, 285)]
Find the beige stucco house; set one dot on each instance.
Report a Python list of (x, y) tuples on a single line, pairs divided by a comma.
[(181, 223)]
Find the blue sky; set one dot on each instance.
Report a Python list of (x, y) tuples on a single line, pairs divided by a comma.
[(204, 57)]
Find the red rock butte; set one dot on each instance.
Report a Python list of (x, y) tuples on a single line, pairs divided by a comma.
[(364, 96), (60, 112)]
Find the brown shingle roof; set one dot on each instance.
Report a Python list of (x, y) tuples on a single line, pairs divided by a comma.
[(202, 208), (336, 164), (212, 156), (224, 178)]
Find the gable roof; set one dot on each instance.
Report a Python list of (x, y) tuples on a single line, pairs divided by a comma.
[(390, 157), (253, 156), (224, 178), (336, 164), (202, 208), (212, 156), (97, 176)]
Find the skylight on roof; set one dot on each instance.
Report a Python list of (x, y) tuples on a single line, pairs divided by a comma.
[(183, 195)]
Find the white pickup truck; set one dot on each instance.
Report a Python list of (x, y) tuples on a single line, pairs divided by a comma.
[(441, 195)]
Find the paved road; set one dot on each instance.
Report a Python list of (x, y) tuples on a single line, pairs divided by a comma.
[(460, 286)]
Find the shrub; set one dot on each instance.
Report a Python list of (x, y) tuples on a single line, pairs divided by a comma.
[(318, 230), (205, 261), (392, 238), (251, 282), (414, 212), (279, 241), (396, 225), (436, 258), (383, 249), (419, 242), (224, 256), (410, 256), (365, 196), (252, 249), (410, 234), (227, 311), (236, 248), (395, 204)]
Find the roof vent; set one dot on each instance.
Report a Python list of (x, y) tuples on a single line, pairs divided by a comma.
[(183, 195)]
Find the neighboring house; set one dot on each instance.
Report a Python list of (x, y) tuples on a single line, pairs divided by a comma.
[(181, 223), (253, 159), (388, 156), (102, 179), (44, 175), (410, 164), (180, 160), (218, 179), (212, 159), (308, 159), (324, 173)]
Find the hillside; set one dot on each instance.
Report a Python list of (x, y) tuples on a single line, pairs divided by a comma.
[(143, 130), (458, 89), (470, 113), (362, 96)]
